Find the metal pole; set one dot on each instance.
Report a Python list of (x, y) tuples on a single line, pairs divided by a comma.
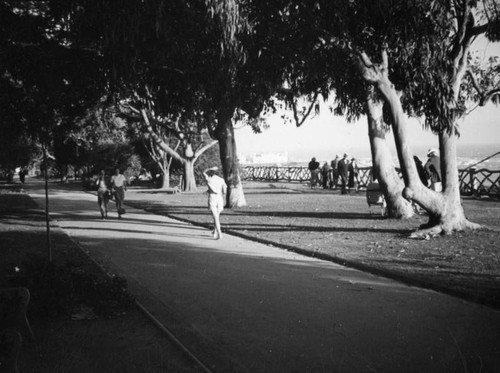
[(47, 217)]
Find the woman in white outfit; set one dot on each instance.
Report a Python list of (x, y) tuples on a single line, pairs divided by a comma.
[(217, 189)]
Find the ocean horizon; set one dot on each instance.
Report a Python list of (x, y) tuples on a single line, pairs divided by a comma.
[(467, 155)]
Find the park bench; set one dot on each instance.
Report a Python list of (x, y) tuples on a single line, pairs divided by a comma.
[(14, 326)]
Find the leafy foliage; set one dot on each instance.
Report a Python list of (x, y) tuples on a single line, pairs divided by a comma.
[(46, 79)]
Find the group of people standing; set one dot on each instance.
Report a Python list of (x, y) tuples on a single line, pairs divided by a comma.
[(344, 169), (108, 188)]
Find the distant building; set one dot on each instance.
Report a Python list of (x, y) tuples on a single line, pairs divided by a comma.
[(264, 158)]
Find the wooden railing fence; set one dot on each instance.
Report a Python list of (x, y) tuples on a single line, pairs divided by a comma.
[(479, 182), (472, 182)]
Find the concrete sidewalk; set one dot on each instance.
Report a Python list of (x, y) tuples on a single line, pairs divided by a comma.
[(243, 306)]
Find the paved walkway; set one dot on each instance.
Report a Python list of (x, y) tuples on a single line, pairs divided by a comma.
[(243, 306)]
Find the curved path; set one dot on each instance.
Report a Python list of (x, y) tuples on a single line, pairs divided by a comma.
[(240, 306)]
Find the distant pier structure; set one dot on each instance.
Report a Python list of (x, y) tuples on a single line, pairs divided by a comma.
[(264, 159)]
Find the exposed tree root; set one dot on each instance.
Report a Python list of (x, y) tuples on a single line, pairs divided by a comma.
[(426, 232)]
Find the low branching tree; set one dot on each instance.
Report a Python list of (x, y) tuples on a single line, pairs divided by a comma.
[(161, 159), (190, 142)]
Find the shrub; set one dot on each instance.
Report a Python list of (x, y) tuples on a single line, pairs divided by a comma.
[(58, 289)]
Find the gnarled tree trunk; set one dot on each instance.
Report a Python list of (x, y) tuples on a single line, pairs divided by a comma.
[(444, 209), (452, 217), (229, 160), (383, 169), (165, 178), (188, 180)]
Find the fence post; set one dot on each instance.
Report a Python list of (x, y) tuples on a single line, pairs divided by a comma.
[(472, 171)]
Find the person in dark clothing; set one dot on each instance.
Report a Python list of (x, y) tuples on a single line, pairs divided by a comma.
[(421, 170), (335, 172), (343, 168), (424, 178), (353, 175), (314, 169), (326, 175), (22, 175)]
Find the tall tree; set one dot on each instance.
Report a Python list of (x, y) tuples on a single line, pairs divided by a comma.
[(206, 56), (167, 45), (189, 133), (327, 68), (429, 61)]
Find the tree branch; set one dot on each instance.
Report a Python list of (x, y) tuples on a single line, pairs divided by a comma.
[(368, 70), (481, 29), (489, 95), (289, 95), (484, 96), (365, 60), (463, 36), (150, 150), (475, 84), (203, 149), (164, 146), (298, 122)]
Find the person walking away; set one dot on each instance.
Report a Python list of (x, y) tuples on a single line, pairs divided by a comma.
[(314, 169), (335, 172), (343, 168), (326, 175), (424, 178), (103, 194), (433, 168), (217, 190), (22, 175), (119, 186), (353, 175)]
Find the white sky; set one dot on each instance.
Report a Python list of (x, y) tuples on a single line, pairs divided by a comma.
[(327, 135)]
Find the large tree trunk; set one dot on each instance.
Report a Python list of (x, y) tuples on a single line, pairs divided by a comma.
[(383, 169), (452, 217), (414, 189), (189, 180), (444, 209), (229, 160), (165, 176)]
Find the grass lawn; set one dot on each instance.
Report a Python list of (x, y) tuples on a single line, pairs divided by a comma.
[(342, 228)]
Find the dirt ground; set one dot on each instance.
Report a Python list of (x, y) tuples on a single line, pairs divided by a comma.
[(344, 229)]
